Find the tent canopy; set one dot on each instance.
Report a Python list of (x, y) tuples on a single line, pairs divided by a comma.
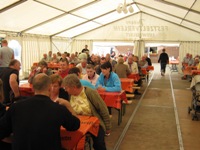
[(71, 18)]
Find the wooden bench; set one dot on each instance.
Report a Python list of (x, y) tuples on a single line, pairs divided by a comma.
[(136, 87), (130, 95)]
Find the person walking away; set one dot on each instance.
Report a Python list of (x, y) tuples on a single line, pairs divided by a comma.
[(163, 60)]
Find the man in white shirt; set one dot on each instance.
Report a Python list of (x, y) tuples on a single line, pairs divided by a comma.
[(82, 66), (133, 67)]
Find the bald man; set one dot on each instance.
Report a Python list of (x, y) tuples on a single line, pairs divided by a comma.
[(36, 121), (10, 78)]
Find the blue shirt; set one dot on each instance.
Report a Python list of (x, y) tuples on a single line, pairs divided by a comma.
[(112, 84), (87, 84)]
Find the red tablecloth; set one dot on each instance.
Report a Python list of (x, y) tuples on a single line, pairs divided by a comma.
[(144, 71), (76, 139), (190, 70), (134, 76), (150, 68), (127, 84), (113, 99), (26, 89), (195, 72), (55, 66)]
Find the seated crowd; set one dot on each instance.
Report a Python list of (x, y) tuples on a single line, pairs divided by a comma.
[(190, 63), (72, 81)]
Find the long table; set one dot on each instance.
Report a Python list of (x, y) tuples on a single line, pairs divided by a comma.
[(54, 66), (26, 89), (174, 64), (76, 139), (70, 139), (190, 70), (114, 100), (127, 84), (134, 76)]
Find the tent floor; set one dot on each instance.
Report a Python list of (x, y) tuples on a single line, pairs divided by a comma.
[(158, 119)]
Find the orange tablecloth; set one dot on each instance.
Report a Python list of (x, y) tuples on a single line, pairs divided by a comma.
[(134, 76), (127, 84), (76, 139), (114, 100), (190, 70), (26, 89), (150, 68), (195, 72), (144, 71), (55, 66)]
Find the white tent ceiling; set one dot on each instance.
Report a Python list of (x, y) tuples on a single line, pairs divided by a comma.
[(70, 18)]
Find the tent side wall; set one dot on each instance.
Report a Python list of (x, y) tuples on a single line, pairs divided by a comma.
[(140, 28)]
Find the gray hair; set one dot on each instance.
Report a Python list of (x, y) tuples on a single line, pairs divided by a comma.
[(72, 80), (120, 60)]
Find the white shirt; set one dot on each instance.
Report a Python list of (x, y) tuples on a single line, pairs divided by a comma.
[(132, 67), (93, 80)]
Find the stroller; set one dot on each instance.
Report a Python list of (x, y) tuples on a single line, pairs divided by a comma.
[(195, 104)]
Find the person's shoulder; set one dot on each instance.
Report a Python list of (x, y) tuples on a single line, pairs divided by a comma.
[(14, 71), (22, 102), (10, 70), (78, 65), (85, 76), (96, 75), (11, 49), (84, 81), (113, 75), (134, 63), (2, 49), (101, 76), (124, 65), (89, 90), (87, 83)]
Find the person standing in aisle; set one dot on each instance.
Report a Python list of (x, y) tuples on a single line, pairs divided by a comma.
[(163, 60), (6, 54)]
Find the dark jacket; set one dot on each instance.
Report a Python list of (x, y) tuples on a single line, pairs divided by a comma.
[(2, 110), (164, 58), (5, 77), (35, 123)]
